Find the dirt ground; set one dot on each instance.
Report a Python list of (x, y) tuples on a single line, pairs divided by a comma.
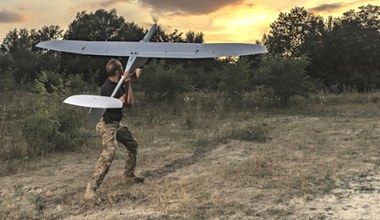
[(306, 167)]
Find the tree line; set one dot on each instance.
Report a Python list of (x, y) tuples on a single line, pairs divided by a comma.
[(306, 52), (343, 51)]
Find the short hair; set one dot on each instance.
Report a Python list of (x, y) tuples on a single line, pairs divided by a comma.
[(112, 67)]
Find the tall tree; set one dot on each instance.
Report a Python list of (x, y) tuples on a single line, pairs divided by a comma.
[(350, 55), (100, 25), (290, 31), (15, 40), (26, 60), (192, 37), (52, 32)]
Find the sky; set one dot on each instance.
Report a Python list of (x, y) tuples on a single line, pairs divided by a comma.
[(242, 21)]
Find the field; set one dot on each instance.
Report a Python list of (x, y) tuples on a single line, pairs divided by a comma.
[(205, 159)]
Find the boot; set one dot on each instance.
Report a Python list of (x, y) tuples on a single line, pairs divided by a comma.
[(129, 180), (129, 169), (90, 194)]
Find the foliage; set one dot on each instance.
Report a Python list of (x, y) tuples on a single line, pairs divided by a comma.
[(163, 82), (285, 76), (234, 78), (7, 81), (291, 30), (14, 40), (343, 53), (349, 56), (102, 25), (50, 82), (192, 37), (76, 84), (22, 55), (177, 36), (203, 75), (51, 126), (60, 130)]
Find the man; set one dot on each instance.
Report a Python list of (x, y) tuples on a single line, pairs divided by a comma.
[(111, 130)]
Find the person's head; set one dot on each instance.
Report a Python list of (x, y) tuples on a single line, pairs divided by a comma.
[(113, 68)]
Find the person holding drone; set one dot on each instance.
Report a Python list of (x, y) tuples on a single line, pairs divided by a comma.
[(111, 130)]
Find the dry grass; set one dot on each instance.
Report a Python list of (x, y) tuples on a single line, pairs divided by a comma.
[(217, 164)]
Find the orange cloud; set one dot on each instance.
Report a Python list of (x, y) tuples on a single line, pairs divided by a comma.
[(111, 2), (193, 7), (10, 17), (326, 7), (338, 6)]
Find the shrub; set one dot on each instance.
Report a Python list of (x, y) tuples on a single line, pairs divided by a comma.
[(50, 82), (286, 77), (162, 82), (53, 126), (76, 84), (234, 78), (58, 132), (7, 81), (39, 132)]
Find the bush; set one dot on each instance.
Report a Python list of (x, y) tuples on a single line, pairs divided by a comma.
[(52, 126), (60, 131), (50, 82), (76, 84), (39, 132), (7, 81), (162, 82), (234, 78), (286, 77)]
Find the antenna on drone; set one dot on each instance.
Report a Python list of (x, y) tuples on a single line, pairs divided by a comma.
[(151, 32), (154, 18)]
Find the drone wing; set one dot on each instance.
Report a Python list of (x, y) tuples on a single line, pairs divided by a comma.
[(153, 49), (94, 101)]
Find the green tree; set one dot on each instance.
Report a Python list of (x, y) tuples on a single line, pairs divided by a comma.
[(192, 37), (291, 30), (51, 126), (100, 25), (16, 39), (17, 45), (350, 54), (285, 76), (234, 77), (203, 75), (163, 82), (5, 60), (103, 25), (23, 57)]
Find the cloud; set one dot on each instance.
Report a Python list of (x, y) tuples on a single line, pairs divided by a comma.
[(111, 2), (337, 6), (327, 7), (10, 17), (195, 7)]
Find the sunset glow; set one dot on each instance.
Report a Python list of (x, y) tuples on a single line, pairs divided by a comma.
[(220, 21)]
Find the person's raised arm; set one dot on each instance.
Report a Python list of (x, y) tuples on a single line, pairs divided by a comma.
[(128, 90), (136, 74)]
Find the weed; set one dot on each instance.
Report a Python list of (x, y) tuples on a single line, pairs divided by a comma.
[(258, 133)]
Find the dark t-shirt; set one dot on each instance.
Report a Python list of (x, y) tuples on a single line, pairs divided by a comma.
[(115, 114)]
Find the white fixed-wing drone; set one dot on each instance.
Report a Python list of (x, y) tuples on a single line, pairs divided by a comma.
[(137, 53)]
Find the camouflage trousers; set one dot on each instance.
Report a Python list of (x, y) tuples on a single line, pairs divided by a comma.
[(111, 133)]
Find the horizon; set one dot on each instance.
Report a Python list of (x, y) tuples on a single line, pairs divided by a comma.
[(220, 21)]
